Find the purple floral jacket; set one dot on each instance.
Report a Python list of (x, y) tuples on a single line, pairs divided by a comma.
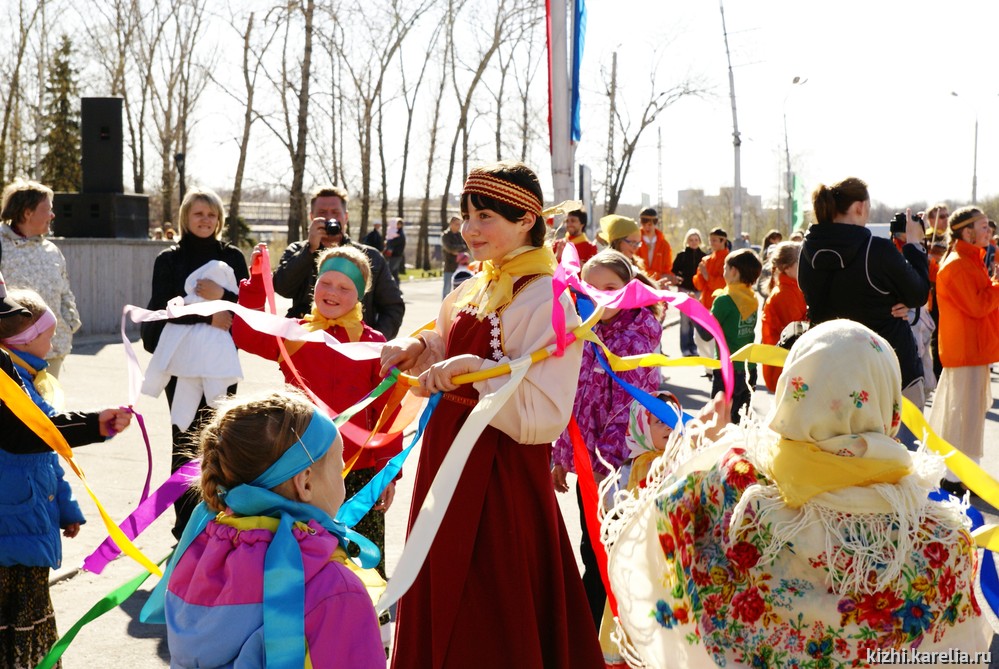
[(601, 406)]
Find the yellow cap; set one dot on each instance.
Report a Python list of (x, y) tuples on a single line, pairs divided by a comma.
[(615, 227)]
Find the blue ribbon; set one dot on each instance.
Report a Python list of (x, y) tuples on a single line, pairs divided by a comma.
[(361, 503), (284, 580), (661, 409)]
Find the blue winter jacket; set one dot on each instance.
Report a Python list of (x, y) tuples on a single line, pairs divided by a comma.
[(36, 501)]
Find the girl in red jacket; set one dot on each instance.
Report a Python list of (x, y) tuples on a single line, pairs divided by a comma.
[(344, 275), (785, 304)]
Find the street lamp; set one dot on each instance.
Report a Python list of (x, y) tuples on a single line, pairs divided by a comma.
[(797, 81), (974, 168), (179, 159)]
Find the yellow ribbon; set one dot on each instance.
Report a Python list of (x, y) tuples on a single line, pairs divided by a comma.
[(804, 470), (493, 287), (36, 420)]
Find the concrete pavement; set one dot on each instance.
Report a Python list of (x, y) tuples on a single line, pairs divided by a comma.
[(94, 376)]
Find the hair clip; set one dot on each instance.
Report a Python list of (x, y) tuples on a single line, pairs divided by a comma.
[(299, 440)]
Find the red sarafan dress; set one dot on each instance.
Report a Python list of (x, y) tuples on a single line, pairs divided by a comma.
[(500, 586)]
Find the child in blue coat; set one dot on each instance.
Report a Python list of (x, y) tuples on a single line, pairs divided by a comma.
[(35, 499)]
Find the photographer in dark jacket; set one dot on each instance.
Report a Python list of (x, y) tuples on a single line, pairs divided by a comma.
[(846, 272), (295, 276)]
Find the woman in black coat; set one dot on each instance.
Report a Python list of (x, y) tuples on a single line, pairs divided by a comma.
[(846, 272), (201, 217)]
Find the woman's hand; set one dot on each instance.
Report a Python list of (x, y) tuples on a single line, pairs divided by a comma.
[(715, 416), (71, 530), (438, 377), (385, 501), (558, 479), (702, 267), (222, 320), (402, 352), (207, 289), (113, 421)]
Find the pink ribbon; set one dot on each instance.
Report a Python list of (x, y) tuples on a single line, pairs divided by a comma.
[(634, 295)]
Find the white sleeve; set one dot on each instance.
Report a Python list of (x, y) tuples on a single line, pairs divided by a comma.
[(540, 408)]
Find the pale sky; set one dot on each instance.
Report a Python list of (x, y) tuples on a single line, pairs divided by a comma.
[(876, 101)]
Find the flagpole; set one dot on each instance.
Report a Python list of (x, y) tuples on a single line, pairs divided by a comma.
[(558, 100)]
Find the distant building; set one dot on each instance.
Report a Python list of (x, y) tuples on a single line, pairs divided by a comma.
[(695, 197)]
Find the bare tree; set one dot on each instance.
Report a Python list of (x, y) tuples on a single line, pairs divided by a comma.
[(465, 90), (528, 68), (294, 131), (250, 73), (659, 100), (25, 23), (423, 240), (411, 106), (384, 29)]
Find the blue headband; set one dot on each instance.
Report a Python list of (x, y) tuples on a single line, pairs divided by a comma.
[(344, 266), (301, 455)]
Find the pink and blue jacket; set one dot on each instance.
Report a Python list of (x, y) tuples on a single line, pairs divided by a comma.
[(214, 609)]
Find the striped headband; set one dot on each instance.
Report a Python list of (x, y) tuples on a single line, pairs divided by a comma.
[(503, 191), (969, 221)]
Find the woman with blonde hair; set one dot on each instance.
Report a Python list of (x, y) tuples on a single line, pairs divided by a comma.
[(199, 250), (31, 261)]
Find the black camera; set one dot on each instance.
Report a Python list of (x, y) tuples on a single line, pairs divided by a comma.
[(898, 223), (332, 227)]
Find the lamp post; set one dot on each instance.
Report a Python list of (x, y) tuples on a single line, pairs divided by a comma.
[(974, 164), (178, 159), (797, 81)]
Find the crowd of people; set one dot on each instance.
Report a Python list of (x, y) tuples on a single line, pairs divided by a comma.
[(729, 539)]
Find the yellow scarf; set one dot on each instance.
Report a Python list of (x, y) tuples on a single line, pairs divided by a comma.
[(743, 296), (350, 321), (47, 385), (493, 287), (578, 239), (802, 470)]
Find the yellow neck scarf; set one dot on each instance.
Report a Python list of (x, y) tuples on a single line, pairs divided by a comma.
[(47, 385), (802, 470), (351, 322), (744, 298), (578, 239), (493, 287)]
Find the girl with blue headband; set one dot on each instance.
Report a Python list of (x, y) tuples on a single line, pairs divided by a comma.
[(260, 577), (340, 382)]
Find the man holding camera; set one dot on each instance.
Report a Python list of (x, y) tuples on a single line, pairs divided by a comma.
[(295, 276)]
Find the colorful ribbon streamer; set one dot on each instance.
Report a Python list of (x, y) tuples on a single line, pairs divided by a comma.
[(110, 601), (148, 511)]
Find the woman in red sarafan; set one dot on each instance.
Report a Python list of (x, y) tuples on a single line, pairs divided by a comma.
[(499, 587)]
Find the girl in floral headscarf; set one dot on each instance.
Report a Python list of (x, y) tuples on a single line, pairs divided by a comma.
[(812, 541)]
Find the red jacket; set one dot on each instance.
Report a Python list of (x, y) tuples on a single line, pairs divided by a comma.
[(584, 247), (786, 304), (969, 309), (715, 264), (661, 262), (336, 379)]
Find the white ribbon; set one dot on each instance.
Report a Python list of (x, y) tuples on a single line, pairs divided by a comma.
[(438, 498)]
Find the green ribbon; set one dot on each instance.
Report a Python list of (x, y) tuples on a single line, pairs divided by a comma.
[(112, 600), (377, 392)]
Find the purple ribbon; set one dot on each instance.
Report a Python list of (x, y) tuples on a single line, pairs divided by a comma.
[(151, 508)]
